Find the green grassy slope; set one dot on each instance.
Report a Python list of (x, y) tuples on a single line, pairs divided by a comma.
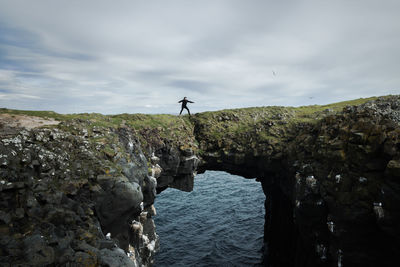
[(223, 128)]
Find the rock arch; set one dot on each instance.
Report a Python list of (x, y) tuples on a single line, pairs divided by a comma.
[(80, 191), (331, 183)]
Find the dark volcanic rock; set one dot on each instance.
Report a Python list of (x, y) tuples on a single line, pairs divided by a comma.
[(342, 213), (81, 193), (64, 201), (332, 187)]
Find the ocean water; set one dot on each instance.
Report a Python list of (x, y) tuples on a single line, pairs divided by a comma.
[(219, 223)]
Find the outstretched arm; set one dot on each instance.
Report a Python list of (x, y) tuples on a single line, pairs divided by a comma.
[(180, 101), (190, 101)]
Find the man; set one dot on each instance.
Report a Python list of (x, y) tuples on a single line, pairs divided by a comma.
[(184, 101)]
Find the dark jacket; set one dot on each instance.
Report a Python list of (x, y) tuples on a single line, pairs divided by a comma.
[(184, 102)]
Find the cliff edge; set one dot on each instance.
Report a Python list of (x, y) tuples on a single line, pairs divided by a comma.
[(329, 173), (79, 189)]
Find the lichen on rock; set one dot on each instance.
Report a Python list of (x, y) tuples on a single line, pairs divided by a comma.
[(81, 191)]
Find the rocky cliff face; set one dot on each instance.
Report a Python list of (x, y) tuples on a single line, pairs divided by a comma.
[(331, 183), (81, 192), (341, 183)]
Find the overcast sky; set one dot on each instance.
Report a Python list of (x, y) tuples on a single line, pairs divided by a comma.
[(144, 56)]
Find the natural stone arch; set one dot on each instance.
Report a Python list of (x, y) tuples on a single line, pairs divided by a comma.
[(320, 177), (330, 176)]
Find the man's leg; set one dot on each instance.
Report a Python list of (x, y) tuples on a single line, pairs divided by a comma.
[(188, 111), (181, 111)]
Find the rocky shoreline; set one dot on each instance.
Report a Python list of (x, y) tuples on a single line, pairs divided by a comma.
[(81, 192), (332, 185), (72, 196)]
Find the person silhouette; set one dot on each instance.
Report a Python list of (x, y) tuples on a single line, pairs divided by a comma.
[(184, 102)]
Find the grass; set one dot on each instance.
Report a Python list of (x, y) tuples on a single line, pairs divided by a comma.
[(136, 121), (225, 127), (42, 114), (150, 129), (167, 121), (305, 112), (257, 127)]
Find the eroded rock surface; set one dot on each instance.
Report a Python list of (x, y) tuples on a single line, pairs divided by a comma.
[(81, 193), (346, 189), (331, 184), (76, 195)]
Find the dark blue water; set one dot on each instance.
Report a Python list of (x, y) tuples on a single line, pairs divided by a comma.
[(219, 223)]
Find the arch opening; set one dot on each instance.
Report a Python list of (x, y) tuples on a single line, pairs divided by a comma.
[(221, 222)]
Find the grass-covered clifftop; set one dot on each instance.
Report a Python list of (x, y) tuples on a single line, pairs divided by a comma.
[(256, 132), (225, 128), (259, 129), (150, 129)]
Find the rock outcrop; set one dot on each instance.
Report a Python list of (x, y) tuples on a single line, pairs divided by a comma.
[(80, 192), (331, 183), (342, 185), (82, 195)]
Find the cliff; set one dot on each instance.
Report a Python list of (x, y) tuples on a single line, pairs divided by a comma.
[(329, 173), (79, 191), (80, 188)]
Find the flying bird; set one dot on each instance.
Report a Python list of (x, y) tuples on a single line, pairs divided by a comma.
[(273, 73)]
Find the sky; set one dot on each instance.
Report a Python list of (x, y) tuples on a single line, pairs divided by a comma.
[(136, 56)]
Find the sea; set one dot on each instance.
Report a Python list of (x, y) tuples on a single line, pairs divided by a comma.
[(219, 223)]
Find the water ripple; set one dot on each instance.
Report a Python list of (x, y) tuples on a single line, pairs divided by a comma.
[(220, 223)]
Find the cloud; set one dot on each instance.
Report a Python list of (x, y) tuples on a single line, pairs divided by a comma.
[(136, 56), (17, 96)]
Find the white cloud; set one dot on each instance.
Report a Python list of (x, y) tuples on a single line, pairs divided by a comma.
[(17, 96), (136, 56)]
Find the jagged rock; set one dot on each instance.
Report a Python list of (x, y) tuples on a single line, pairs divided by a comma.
[(52, 175), (85, 259), (115, 257), (329, 156), (37, 252), (149, 190), (78, 193), (394, 167), (119, 196)]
